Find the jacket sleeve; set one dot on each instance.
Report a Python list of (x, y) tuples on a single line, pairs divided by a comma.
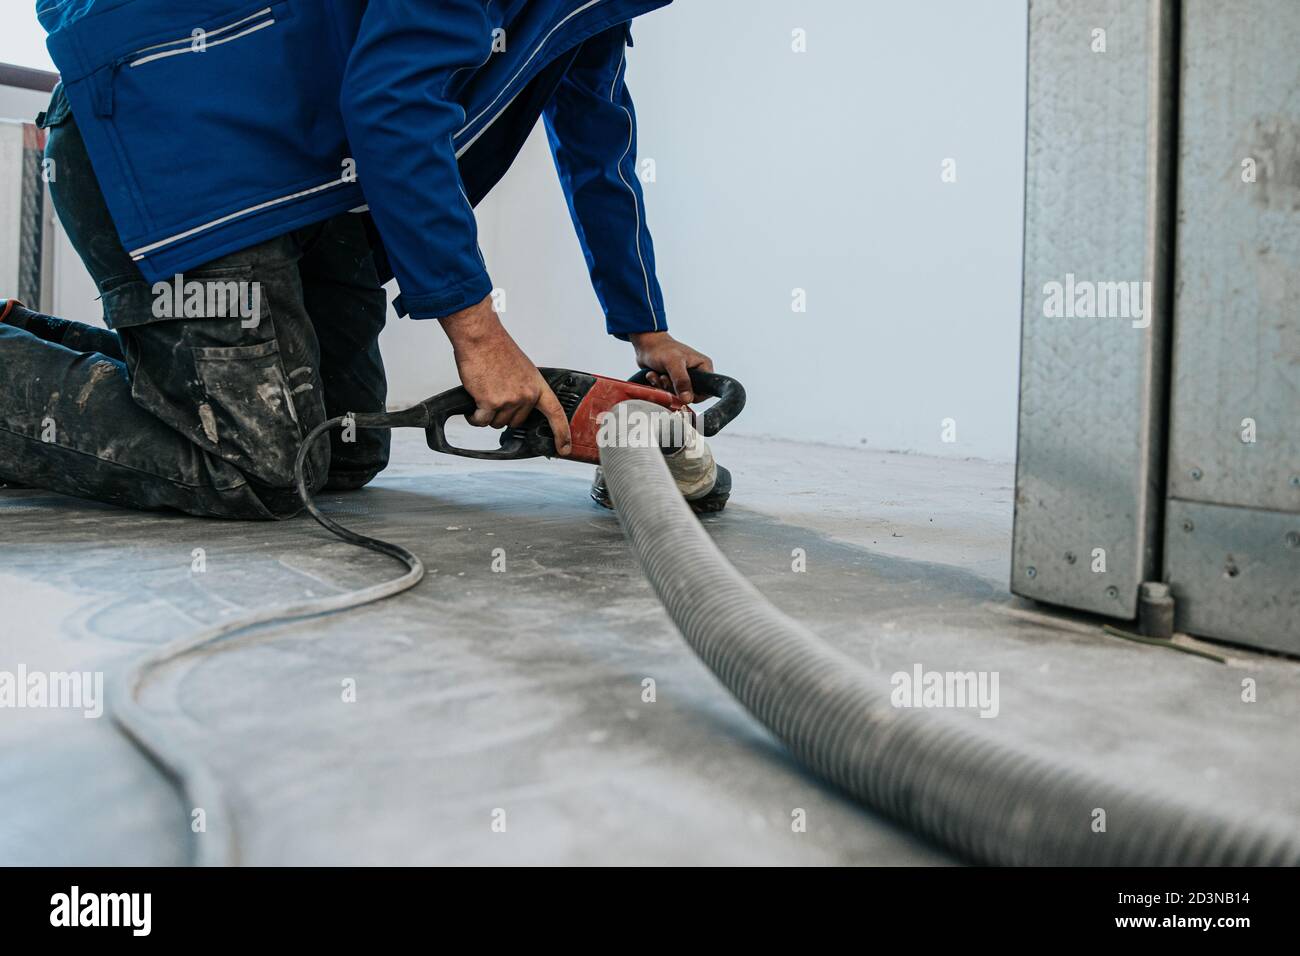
[(592, 130), (400, 125)]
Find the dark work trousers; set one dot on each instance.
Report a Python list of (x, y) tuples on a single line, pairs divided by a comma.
[(199, 413)]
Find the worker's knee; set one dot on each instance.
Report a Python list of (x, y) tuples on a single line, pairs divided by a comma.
[(349, 480), (242, 390), (354, 464), (274, 482)]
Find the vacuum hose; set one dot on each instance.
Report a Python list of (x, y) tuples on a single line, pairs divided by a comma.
[(930, 771)]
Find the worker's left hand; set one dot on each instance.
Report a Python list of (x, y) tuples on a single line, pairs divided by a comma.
[(669, 362)]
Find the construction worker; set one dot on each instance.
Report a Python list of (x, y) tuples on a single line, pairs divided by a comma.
[(241, 178)]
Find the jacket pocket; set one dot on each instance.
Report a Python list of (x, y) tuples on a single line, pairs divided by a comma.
[(201, 40)]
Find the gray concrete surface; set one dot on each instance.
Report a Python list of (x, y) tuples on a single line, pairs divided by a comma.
[(522, 690)]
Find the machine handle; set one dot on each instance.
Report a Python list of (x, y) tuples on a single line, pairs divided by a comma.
[(457, 401), (729, 393)]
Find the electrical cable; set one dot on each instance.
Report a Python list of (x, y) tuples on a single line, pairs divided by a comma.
[(218, 843)]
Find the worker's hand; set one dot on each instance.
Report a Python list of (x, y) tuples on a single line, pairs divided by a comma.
[(502, 380), (669, 362)]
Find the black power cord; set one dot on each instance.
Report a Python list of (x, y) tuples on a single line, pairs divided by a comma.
[(218, 843)]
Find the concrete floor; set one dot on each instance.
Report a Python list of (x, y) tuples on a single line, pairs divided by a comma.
[(522, 690)]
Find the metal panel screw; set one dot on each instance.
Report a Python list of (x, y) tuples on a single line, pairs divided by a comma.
[(1112, 592), (1295, 481), (1293, 539), (1196, 474), (1187, 525), (1031, 571), (1070, 558)]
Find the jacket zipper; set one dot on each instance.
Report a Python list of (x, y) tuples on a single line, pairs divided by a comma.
[(250, 24)]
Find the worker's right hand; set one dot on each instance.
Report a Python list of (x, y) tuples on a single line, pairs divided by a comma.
[(502, 380)]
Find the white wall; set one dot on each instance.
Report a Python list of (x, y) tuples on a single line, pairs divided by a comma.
[(22, 40), (818, 170)]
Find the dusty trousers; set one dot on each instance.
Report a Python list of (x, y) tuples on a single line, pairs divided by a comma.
[(199, 396)]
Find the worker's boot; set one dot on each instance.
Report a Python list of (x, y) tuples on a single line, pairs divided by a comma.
[(7, 306), (13, 312), (74, 335)]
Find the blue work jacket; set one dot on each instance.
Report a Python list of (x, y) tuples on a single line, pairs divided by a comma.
[(216, 124)]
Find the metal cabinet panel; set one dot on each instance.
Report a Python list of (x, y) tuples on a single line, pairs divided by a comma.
[(1233, 528), (1092, 388), (1237, 305), (1235, 573)]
